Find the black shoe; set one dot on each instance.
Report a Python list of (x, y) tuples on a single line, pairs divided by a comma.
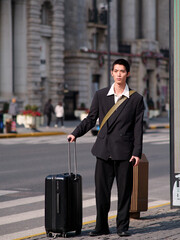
[(95, 233), (124, 234)]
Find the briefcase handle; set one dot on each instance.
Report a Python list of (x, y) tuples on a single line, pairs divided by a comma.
[(69, 158)]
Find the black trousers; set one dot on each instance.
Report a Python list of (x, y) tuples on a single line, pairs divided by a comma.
[(49, 117), (59, 119), (105, 173)]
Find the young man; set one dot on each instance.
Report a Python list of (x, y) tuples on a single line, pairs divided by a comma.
[(118, 145)]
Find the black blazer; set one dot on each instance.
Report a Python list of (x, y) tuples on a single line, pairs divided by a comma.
[(121, 136)]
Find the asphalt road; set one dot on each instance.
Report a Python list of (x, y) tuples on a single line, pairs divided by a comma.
[(26, 162)]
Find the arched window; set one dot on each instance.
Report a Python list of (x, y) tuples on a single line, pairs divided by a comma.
[(46, 13)]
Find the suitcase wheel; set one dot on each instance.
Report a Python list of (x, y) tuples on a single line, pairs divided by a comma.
[(64, 235), (78, 231), (49, 234)]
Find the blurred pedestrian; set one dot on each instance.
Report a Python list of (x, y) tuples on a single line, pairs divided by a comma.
[(13, 109), (59, 111), (48, 110)]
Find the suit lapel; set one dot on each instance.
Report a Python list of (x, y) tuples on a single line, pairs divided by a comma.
[(109, 101), (115, 115), (118, 111)]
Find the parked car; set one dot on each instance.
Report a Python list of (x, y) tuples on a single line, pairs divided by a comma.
[(95, 130)]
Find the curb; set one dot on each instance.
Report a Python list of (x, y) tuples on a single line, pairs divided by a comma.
[(158, 127), (32, 134)]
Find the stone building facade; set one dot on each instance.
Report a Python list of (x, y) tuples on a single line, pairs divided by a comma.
[(32, 50), (58, 49)]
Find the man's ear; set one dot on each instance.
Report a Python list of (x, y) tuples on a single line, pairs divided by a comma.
[(111, 73), (128, 74)]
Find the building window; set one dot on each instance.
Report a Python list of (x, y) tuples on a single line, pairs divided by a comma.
[(46, 13)]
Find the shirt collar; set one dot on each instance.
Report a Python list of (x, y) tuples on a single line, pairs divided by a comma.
[(125, 92)]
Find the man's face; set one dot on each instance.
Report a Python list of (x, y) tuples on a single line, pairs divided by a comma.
[(120, 74)]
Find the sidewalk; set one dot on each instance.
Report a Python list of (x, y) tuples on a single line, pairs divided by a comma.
[(42, 130), (159, 122), (157, 223), (154, 123)]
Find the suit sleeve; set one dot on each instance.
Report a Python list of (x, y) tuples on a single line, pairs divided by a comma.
[(138, 129), (90, 121)]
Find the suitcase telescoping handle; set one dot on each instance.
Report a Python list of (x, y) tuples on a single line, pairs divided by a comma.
[(69, 158)]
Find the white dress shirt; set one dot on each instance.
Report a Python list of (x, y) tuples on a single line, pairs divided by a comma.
[(116, 97)]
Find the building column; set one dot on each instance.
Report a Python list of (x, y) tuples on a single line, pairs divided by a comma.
[(149, 19), (57, 50), (128, 20), (113, 28), (20, 55), (6, 73), (162, 23), (33, 51)]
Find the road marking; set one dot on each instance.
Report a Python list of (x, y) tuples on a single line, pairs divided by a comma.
[(21, 201), (14, 218), (86, 220), (39, 231), (154, 139), (40, 213), (6, 192), (34, 214), (157, 203), (92, 202), (159, 143), (160, 205), (23, 234), (91, 219)]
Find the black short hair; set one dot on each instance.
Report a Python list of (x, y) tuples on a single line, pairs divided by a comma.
[(123, 62)]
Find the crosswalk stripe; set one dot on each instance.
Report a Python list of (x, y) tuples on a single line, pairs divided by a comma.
[(40, 213), (155, 140), (24, 201), (29, 200), (22, 234), (86, 220), (92, 218), (159, 143), (156, 203), (37, 213), (21, 217), (41, 230), (21, 201), (91, 202), (6, 192)]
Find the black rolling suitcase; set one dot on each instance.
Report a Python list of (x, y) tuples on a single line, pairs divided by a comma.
[(63, 201)]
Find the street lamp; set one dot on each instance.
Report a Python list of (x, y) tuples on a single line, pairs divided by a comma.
[(109, 43)]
